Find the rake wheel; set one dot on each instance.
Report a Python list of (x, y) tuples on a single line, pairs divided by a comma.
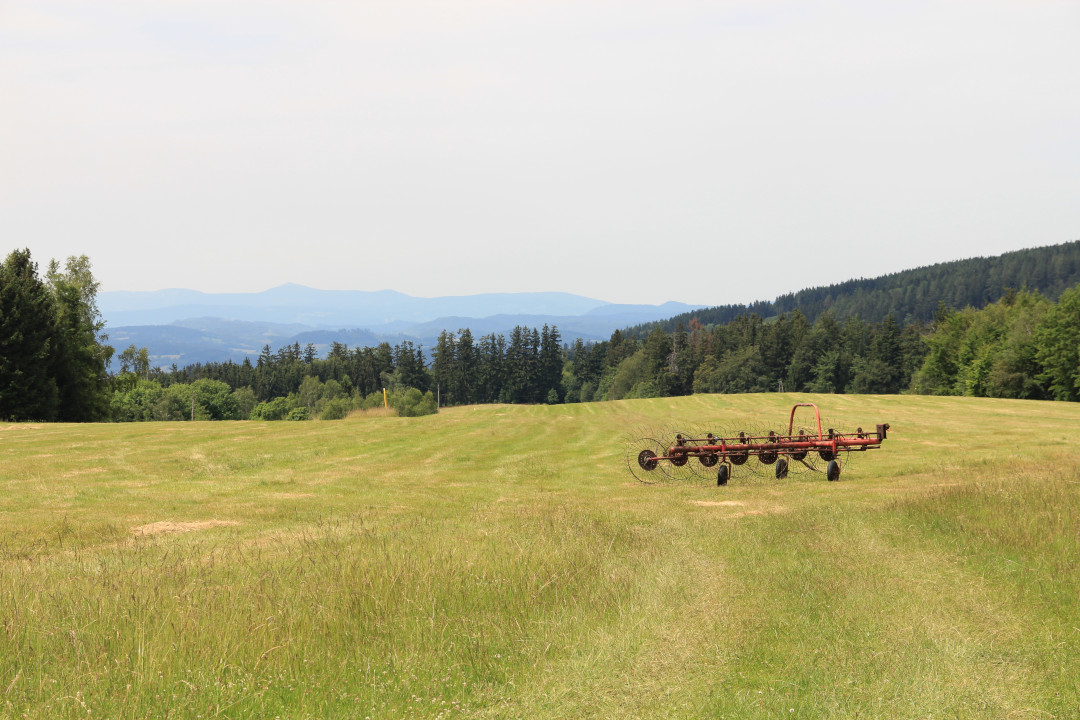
[(642, 458), (647, 461)]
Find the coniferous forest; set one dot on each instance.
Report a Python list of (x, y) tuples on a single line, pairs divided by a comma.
[(1004, 327)]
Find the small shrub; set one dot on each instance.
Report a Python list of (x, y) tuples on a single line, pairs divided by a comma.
[(413, 403), (372, 401), (335, 409), (300, 413), (275, 409)]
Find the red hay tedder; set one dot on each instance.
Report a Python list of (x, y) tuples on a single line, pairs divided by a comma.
[(688, 455)]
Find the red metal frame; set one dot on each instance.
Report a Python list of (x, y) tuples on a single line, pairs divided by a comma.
[(739, 449)]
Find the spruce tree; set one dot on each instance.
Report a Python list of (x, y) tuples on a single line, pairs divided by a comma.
[(464, 381), (28, 390)]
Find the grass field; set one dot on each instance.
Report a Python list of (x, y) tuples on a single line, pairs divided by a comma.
[(500, 561)]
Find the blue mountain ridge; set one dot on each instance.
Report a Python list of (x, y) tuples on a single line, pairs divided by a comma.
[(185, 326)]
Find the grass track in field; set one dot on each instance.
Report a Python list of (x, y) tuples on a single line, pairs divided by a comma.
[(499, 561)]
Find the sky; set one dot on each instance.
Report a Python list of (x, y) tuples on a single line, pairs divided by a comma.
[(708, 152)]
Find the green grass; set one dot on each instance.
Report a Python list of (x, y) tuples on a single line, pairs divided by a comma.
[(499, 561)]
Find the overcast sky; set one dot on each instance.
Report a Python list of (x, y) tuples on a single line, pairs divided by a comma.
[(706, 152)]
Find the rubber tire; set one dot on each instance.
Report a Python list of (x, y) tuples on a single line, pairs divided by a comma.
[(833, 471), (723, 473), (781, 468)]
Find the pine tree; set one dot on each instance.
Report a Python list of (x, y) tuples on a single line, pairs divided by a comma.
[(516, 382), (463, 381), (443, 367), (551, 363), (28, 390)]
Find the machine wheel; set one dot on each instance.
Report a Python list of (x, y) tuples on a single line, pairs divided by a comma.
[(643, 459), (709, 460), (827, 455), (646, 460), (781, 468), (833, 471), (768, 457), (679, 460), (722, 474)]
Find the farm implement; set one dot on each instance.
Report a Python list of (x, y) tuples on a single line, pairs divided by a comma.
[(678, 456)]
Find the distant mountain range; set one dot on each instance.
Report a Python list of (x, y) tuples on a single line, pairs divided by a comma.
[(187, 326)]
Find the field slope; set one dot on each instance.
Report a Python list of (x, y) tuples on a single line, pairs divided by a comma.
[(500, 561)]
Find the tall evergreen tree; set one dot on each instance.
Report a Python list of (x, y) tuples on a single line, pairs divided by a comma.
[(28, 389), (443, 367), (515, 389), (463, 382), (491, 368), (551, 362)]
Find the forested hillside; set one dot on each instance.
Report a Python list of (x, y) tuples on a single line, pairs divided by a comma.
[(912, 294)]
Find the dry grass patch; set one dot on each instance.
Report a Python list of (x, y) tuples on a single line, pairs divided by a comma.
[(718, 503), (372, 412), (168, 526)]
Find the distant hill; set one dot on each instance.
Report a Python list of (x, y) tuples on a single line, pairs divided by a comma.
[(912, 294), (186, 326), (379, 311), (203, 339)]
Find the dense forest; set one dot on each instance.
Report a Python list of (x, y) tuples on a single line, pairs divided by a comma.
[(912, 295), (1023, 344)]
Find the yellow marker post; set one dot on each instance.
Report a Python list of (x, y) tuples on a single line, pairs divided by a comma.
[(385, 404)]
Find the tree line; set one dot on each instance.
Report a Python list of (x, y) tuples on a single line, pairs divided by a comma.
[(53, 360), (1022, 346), (295, 382)]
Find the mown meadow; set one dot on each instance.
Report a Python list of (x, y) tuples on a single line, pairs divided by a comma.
[(500, 562)]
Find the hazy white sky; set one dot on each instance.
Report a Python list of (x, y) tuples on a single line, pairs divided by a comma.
[(632, 151)]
